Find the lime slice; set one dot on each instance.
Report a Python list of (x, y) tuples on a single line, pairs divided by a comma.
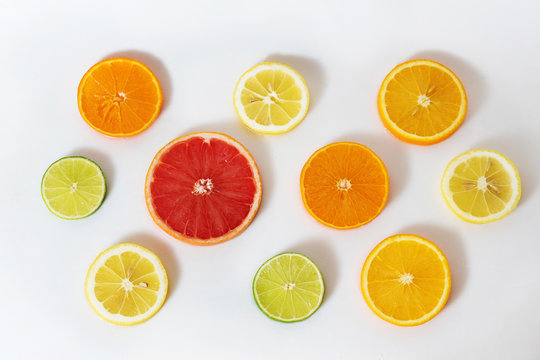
[(73, 187), (288, 287)]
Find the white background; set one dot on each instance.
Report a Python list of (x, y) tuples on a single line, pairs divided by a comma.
[(198, 49)]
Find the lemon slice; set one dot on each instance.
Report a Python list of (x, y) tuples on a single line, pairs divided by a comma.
[(271, 98), (126, 284), (481, 186)]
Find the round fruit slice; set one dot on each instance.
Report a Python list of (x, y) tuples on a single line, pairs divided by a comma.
[(288, 287), (422, 102), (344, 185), (271, 98), (73, 187), (203, 188), (406, 280), (481, 186), (126, 284), (119, 97)]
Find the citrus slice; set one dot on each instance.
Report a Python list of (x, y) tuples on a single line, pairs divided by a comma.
[(288, 287), (344, 185), (481, 186), (422, 102), (119, 97), (73, 187), (271, 98), (126, 284), (203, 188), (406, 280)]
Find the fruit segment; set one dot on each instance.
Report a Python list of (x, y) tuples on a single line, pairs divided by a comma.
[(344, 185), (422, 102), (126, 284), (271, 98), (119, 97), (481, 186), (288, 287), (203, 188), (406, 280)]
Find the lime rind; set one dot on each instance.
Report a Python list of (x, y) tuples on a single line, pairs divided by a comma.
[(319, 280), (96, 204)]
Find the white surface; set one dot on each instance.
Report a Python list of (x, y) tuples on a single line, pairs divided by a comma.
[(198, 49)]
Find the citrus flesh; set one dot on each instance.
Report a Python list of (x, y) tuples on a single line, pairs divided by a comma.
[(288, 287), (119, 97), (271, 98), (406, 280), (344, 185), (73, 187), (481, 186), (126, 284), (422, 102), (203, 188)]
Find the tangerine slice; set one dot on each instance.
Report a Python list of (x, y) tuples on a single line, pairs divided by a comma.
[(344, 185), (203, 188), (119, 97)]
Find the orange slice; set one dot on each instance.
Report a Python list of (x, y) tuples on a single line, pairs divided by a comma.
[(406, 280), (422, 102), (344, 185), (119, 97)]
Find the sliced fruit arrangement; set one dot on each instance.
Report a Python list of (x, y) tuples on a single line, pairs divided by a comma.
[(288, 287), (271, 98), (126, 284), (406, 280), (203, 188), (73, 187), (344, 185), (119, 97), (422, 102), (481, 186)]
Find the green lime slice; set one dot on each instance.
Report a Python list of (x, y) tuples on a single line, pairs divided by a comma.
[(73, 187), (288, 287)]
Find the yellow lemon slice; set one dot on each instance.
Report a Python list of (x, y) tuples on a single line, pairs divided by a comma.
[(271, 98), (126, 284), (481, 186)]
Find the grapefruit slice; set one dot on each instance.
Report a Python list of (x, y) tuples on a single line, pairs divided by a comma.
[(203, 188)]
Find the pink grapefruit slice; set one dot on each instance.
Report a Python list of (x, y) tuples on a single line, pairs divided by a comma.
[(203, 188)]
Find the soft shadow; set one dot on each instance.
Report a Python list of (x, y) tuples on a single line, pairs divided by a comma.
[(518, 147), (157, 67), (255, 143), (471, 78), (311, 71), (324, 257), (393, 154), (163, 251), (103, 160), (451, 244)]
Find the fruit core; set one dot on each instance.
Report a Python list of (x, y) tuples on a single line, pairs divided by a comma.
[(343, 185), (423, 100), (119, 97), (406, 278), (202, 187)]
